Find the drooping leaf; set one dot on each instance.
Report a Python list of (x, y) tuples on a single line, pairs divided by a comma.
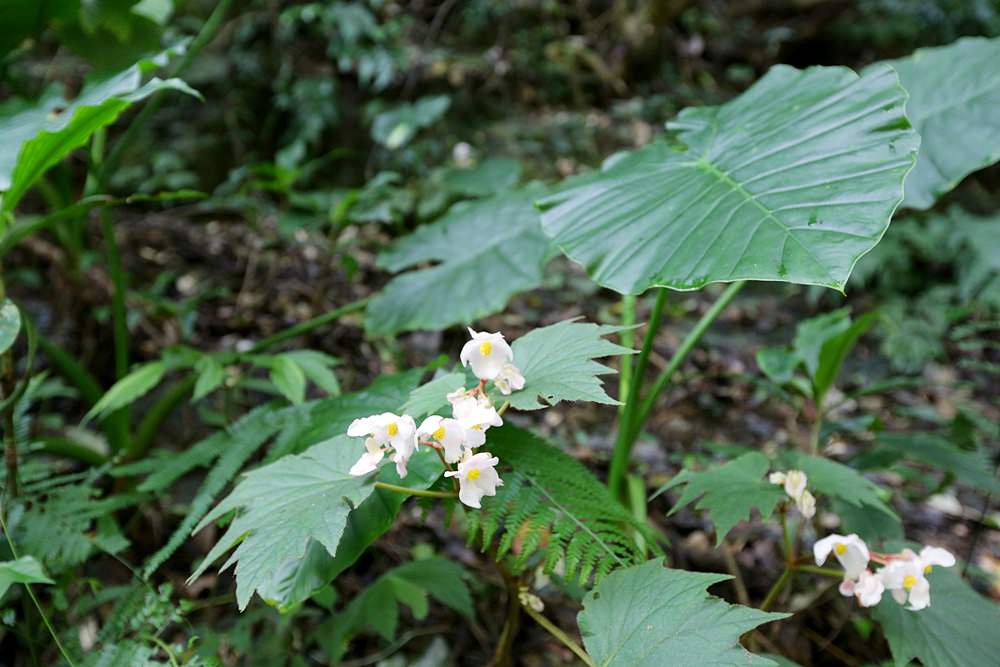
[(24, 570), (650, 616), (486, 252), (431, 397), (10, 324), (794, 180), (958, 629), (283, 506), (971, 467), (128, 389), (558, 364), (295, 581), (954, 94), (37, 135), (288, 377), (729, 491)]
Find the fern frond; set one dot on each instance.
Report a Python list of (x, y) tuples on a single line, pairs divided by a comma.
[(551, 504)]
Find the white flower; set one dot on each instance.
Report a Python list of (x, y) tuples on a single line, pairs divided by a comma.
[(509, 379), (850, 550), (906, 578), (387, 429), (400, 462), (475, 420), (477, 477), (446, 432), (867, 589), (806, 504), (486, 353), (795, 483), (369, 460)]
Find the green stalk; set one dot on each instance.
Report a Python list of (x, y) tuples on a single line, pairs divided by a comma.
[(620, 456), (7, 382), (557, 632), (680, 355), (779, 586), (309, 325), (150, 424), (627, 340), (395, 488)]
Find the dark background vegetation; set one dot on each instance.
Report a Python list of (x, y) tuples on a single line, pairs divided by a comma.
[(302, 197)]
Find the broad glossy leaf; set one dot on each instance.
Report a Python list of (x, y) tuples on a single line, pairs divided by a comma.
[(486, 252), (651, 616), (558, 364), (24, 570), (959, 629), (37, 135), (282, 507), (729, 491), (489, 177), (971, 467), (794, 180), (954, 96), (10, 324)]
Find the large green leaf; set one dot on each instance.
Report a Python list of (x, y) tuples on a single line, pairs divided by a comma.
[(37, 135), (282, 507), (487, 252), (729, 491), (558, 364), (794, 180), (954, 96), (650, 616), (959, 629)]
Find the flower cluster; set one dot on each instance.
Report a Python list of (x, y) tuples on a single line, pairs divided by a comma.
[(456, 437), (795, 482), (904, 574)]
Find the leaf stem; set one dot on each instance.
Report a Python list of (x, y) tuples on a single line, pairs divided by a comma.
[(414, 492), (556, 632), (627, 340), (825, 571), (623, 444), (779, 585)]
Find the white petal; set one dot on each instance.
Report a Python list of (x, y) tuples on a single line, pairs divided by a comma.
[(846, 588), (429, 425), (795, 483), (822, 548), (899, 595), (806, 504), (400, 462), (776, 478), (360, 427), (937, 556), (920, 595), (470, 495), (366, 464), (869, 589)]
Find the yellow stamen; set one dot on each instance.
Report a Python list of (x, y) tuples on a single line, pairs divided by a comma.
[(909, 581), (392, 429), (928, 568), (477, 427), (438, 434), (486, 348), (474, 474), (841, 549)]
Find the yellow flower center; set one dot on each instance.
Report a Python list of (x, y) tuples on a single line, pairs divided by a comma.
[(392, 429), (477, 427), (841, 549), (909, 581), (438, 434), (928, 568), (474, 474), (486, 348)]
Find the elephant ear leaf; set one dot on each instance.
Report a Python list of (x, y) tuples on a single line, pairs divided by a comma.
[(793, 181)]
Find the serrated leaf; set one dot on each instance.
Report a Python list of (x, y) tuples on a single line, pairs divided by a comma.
[(959, 629), (650, 616), (729, 491), (37, 135), (24, 570), (954, 94), (128, 389), (283, 506), (487, 251), (10, 324), (432, 396), (836, 480), (288, 378), (794, 180), (971, 467), (558, 364)]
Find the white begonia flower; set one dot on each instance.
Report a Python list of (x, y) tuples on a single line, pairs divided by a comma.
[(806, 504), (509, 379), (850, 550), (795, 483), (868, 589), (400, 462), (906, 578), (475, 421), (776, 478), (369, 460), (400, 432), (477, 477), (448, 433), (486, 353)]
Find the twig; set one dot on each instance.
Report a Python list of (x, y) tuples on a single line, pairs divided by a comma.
[(554, 630)]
